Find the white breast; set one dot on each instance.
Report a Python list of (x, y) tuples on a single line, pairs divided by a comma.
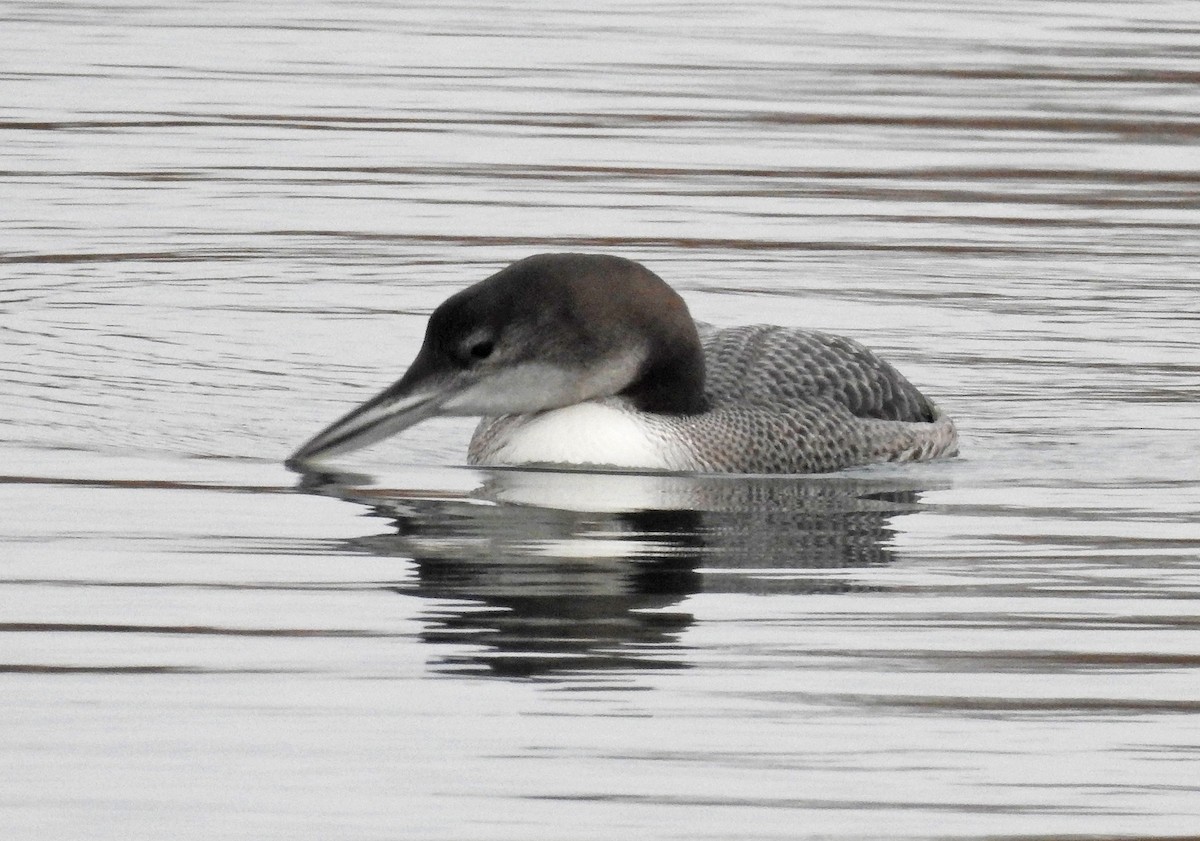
[(600, 434)]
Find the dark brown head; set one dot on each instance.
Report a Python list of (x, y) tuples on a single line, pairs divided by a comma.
[(548, 331)]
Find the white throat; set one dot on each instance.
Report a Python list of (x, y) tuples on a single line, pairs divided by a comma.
[(607, 433)]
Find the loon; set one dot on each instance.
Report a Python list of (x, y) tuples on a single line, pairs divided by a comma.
[(593, 361)]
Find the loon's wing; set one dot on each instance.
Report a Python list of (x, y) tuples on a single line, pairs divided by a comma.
[(767, 365)]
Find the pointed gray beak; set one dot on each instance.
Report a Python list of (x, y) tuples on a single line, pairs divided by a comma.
[(419, 394)]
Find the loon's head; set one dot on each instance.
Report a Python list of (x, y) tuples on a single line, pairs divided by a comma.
[(546, 332)]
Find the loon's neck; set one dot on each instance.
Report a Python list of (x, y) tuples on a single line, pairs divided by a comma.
[(671, 380)]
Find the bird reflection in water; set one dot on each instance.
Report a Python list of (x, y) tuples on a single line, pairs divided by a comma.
[(541, 573)]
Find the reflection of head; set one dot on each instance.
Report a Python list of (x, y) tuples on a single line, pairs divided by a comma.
[(533, 590)]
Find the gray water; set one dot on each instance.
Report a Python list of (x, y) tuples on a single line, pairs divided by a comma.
[(223, 226)]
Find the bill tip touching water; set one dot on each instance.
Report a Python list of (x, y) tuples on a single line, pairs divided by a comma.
[(593, 361)]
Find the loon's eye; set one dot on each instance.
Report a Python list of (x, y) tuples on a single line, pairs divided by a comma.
[(481, 350)]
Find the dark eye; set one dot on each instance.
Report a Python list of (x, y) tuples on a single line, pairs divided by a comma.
[(481, 350)]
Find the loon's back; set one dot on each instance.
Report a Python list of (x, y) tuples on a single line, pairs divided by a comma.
[(769, 365), (784, 400)]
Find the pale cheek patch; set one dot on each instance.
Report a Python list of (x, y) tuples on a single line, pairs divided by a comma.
[(513, 391), (583, 434), (537, 386)]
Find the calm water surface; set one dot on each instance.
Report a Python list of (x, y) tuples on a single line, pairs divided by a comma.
[(224, 225)]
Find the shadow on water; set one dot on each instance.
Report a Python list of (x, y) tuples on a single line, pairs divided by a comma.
[(541, 573)]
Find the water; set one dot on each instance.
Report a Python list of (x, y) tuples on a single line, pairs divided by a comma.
[(223, 226)]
